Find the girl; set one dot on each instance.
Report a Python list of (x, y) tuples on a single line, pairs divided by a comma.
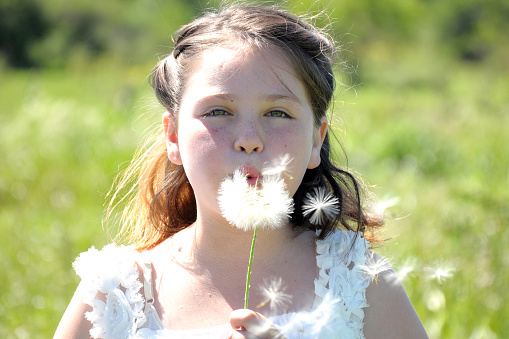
[(242, 88)]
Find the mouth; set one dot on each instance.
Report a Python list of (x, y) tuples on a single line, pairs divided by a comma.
[(253, 176), (253, 181)]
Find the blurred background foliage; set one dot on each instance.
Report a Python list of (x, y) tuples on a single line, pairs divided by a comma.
[(423, 115)]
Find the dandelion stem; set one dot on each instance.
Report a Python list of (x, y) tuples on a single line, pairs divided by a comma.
[(248, 278)]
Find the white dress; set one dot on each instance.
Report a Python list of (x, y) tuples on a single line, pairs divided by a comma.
[(340, 294)]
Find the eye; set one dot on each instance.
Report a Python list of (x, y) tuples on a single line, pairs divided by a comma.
[(278, 114), (216, 113)]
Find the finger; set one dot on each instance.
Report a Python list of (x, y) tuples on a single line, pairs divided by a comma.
[(241, 318), (249, 320), (244, 320)]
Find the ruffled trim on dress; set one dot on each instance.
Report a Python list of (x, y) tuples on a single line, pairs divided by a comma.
[(341, 284), (112, 272), (340, 294)]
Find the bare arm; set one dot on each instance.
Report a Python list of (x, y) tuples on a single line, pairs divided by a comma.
[(73, 323), (390, 314)]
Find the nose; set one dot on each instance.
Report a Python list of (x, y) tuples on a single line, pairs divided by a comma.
[(249, 138)]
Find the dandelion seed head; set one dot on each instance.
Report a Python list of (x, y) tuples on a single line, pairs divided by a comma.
[(320, 205), (246, 207)]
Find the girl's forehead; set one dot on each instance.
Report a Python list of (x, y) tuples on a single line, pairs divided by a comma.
[(224, 59), (233, 66)]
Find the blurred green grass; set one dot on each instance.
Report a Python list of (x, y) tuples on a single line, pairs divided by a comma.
[(426, 128), (441, 148), (63, 137)]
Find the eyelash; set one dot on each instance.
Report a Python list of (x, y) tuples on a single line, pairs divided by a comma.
[(211, 113), (279, 114), (284, 115)]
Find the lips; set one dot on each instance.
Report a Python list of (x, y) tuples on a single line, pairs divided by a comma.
[(253, 176)]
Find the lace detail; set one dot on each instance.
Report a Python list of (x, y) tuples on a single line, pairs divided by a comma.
[(113, 273), (340, 290), (342, 281)]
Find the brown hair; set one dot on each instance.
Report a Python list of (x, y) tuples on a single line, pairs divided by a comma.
[(164, 201)]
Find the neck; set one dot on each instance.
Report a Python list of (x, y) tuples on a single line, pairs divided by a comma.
[(215, 241)]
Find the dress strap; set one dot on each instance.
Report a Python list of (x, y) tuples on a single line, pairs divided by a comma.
[(147, 282), (151, 319)]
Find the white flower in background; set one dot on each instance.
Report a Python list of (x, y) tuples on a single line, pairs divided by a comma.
[(267, 205), (321, 205), (274, 292)]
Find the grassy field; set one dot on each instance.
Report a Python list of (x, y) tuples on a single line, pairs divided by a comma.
[(437, 143), (430, 135)]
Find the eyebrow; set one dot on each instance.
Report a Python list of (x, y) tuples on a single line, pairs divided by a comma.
[(220, 96), (280, 97), (270, 98)]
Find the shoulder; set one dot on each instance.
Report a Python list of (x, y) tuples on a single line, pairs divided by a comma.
[(74, 323), (377, 302), (390, 313)]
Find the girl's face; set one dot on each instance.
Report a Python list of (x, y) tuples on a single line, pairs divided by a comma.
[(242, 107)]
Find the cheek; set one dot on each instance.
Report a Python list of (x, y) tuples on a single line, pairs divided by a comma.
[(198, 143), (204, 155), (297, 144)]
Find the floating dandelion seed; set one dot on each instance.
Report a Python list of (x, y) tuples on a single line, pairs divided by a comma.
[(323, 313), (275, 295), (315, 323), (321, 205), (278, 167), (406, 269), (439, 272), (376, 265), (381, 206)]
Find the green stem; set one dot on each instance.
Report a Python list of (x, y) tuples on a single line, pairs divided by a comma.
[(248, 279)]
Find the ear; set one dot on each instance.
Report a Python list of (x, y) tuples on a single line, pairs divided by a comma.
[(319, 137), (171, 137)]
